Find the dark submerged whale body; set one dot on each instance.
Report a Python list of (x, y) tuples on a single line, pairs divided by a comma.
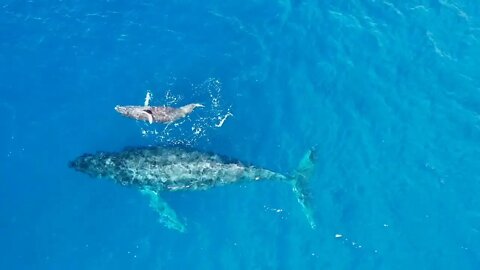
[(165, 169)]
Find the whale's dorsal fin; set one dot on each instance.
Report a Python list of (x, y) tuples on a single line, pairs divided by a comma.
[(149, 115), (166, 215)]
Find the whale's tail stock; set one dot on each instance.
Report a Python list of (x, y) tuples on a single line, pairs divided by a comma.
[(301, 183)]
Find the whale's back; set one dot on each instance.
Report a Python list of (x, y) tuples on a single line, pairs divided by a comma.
[(170, 168)]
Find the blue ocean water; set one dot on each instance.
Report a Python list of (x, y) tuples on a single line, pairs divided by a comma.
[(389, 92)]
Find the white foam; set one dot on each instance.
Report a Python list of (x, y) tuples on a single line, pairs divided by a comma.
[(223, 119)]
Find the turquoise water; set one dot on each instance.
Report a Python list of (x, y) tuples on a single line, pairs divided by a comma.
[(388, 91)]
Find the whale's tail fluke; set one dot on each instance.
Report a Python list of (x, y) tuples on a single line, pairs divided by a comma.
[(301, 185)]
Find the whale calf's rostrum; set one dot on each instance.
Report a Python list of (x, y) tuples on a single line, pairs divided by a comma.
[(162, 169)]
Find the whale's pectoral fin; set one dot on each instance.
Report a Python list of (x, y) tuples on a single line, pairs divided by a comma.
[(149, 115), (301, 185), (166, 215)]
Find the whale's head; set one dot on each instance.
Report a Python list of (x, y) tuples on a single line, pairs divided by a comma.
[(95, 165)]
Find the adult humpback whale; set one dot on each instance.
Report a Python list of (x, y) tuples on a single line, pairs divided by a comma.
[(161, 114), (161, 169)]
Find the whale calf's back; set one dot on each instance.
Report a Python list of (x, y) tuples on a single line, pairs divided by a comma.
[(161, 114)]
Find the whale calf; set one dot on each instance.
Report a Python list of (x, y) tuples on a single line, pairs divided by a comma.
[(162, 114), (154, 170)]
